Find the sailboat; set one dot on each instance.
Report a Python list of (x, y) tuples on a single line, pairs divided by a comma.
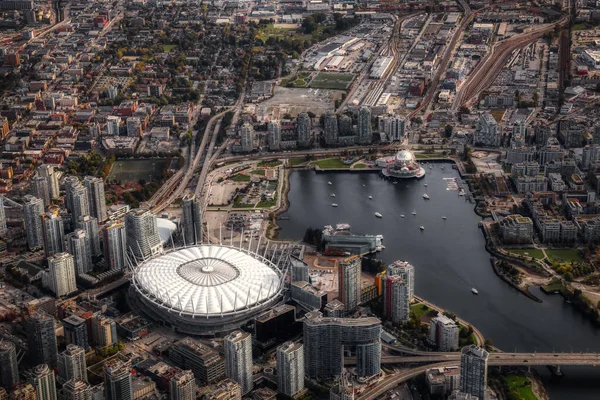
[(414, 212)]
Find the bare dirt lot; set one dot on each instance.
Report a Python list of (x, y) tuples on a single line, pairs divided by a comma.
[(293, 101)]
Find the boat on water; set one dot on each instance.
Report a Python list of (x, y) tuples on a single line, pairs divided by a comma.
[(425, 184), (422, 228), (443, 217), (334, 205), (414, 212), (329, 183), (426, 196), (431, 167), (474, 291), (370, 197), (342, 227), (442, 167), (364, 185), (395, 183), (461, 193), (332, 195), (378, 215), (401, 215)]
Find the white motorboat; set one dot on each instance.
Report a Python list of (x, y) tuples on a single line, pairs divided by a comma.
[(378, 215), (401, 215), (422, 228), (426, 196), (370, 197), (425, 184), (474, 291), (414, 212), (334, 205), (329, 183), (442, 167), (443, 217), (364, 185), (461, 193), (332, 195), (431, 167)]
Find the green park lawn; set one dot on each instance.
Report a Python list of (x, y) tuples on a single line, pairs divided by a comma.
[(330, 163), (240, 178), (535, 253), (260, 172), (419, 310), (521, 386), (167, 48), (564, 255), (360, 166), (269, 164), (294, 162)]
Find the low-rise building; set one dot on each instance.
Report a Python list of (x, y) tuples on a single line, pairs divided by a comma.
[(516, 229)]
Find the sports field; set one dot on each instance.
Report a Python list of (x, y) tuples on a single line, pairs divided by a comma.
[(134, 170), (332, 80)]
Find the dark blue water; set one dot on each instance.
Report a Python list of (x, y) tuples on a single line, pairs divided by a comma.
[(449, 259)]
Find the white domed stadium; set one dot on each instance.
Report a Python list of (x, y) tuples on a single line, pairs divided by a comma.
[(403, 166), (206, 289)]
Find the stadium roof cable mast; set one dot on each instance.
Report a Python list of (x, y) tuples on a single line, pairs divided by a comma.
[(208, 288)]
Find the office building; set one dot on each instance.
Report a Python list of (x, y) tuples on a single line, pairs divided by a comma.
[(274, 135), (96, 197), (54, 233), (349, 282), (115, 245), (47, 172), (77, 390), (290, 369), (118, 383), (325, 340), (61, 271), (247, 138), (192, 219), (275, 325), (182, 386), (72, 365), (298, 270), (206, 364), (33, 209), (405, 271), (78, 245), (42, 380), (142, 234), (90, 226), (41, 339), (365, 135), (9, 370), (303, 126), (330, 123), (76, 331), (40, 189), (443, 332), (487, 134), (238, 359), (473, 371), (396, 299), (104, 331)]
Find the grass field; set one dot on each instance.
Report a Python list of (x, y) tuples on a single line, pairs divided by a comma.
[(332, 80), (535, 253), (330, 163), (269, 164), (554, 285), (168, 47), (579, 27), (260, 172), (293, 162), (521, 386), (134, 170), (360, 166), (240, 178), (564, 255), (419, 310)]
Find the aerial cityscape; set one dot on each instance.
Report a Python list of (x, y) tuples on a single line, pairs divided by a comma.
[(299, 199)]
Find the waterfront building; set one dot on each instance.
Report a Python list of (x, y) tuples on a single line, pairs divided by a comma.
[(330, 123), (365, 135), (405, 271), (487, 133), (403, 166), (393, 126), (142, 234), (33, 209), (42, 380), (274, 135), (325, 338), (396, 299), (9, 369), (442, 381), (41, 339), (206, 364), (443, 332), (115, 244), (473, 371), (349, 282), (238, 359), (104, 331), (78, 245), (516, 229), (96, 197), (54, 233), (303, 127), (47, 172), (77, 390), (182, 386), (247, 138), (290, 369), (343, 389), (40, 189), (90, 226), (345, 127), (76, 331), (192, 219), (72, 364), (61, 272), (118, 383)]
